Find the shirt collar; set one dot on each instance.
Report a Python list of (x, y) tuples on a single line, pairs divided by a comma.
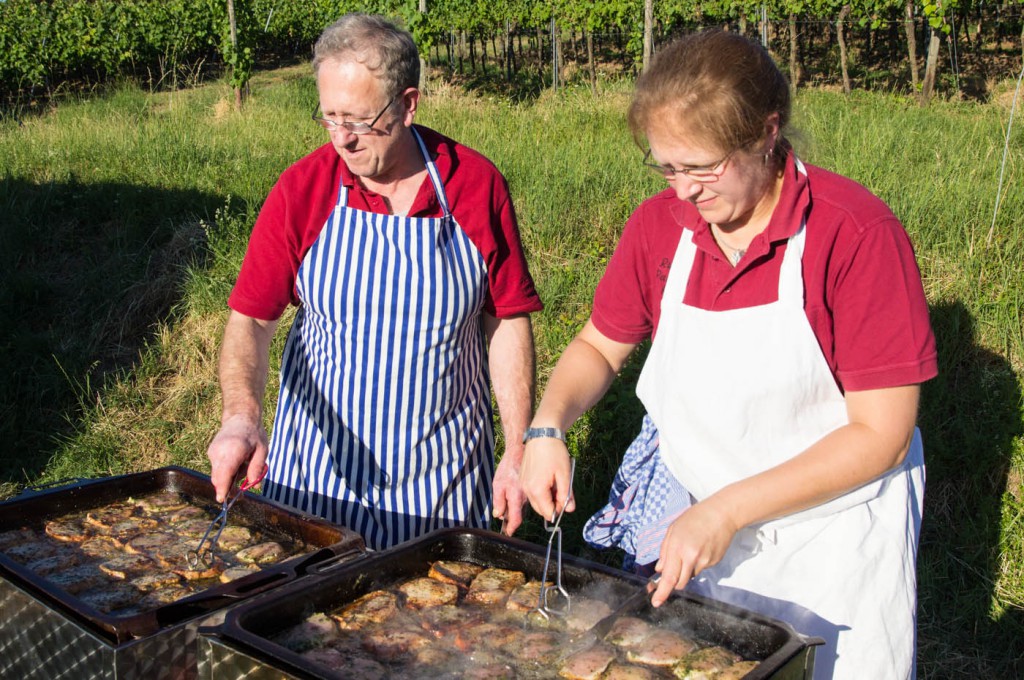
[(794, 200), (426, 202)]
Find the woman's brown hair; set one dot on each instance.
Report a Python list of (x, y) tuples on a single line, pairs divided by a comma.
[(717, 86)]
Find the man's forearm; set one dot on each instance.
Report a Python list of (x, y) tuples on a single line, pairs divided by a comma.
[(511, 360), (244, 366)]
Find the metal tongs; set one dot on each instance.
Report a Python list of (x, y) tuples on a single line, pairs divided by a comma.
[(554, 599), (203, 555)]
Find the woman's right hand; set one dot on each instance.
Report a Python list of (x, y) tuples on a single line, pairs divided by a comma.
[(545, 477)]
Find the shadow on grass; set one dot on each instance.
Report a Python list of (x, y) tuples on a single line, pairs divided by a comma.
[(86, 273), (970, 416)]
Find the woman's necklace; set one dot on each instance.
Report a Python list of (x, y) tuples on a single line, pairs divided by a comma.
[(734, 254)]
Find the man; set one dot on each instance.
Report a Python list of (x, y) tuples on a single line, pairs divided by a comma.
[(400, 248)]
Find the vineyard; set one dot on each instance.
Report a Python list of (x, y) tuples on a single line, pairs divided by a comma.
[(954, 48)]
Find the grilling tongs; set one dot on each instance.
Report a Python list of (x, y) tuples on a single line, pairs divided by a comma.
[(545, 605), (204, 555)]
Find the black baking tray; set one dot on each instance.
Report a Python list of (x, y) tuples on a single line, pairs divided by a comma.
[(242, 646), (46, 631)]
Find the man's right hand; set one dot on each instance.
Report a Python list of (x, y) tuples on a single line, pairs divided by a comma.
[(240, 439)]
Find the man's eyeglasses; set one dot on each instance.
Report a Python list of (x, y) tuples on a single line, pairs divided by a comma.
[(698, 173), (356, 128)]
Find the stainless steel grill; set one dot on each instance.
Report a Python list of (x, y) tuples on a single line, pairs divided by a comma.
[(242, 645), (47, 633)]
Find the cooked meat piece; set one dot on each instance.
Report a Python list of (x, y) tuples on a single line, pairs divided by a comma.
[(625, 671), (628, 631), (15, 537), (391, 643), (194, 528), (110, 597), (440, 657), (477, 663), (78, 578), (585, 612), (61, 559), (587, 664), (126, 566), (705, 664), (30, 551), (457, 573), (537, 619), (488, 635), (69, 530), (188, 514), (231, 573), (498, 579), (491, 587), (263, 553), (525, 597), (201, 570), (737, 670), (162, 502), (661, 648), (99, 547), (149, 544), (374, 607), (497, 670), (162, 596), (156, 581), (316, 631), (107, 516), (421, 593), (539, 648), (124, 531), (486, 598), (174, 555), (448, 618), (234, 538)]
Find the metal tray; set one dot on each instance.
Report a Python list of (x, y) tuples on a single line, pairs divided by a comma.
[(241, 646), (46, 632)]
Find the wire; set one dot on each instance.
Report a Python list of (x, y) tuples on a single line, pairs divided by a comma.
[(1002, 167)]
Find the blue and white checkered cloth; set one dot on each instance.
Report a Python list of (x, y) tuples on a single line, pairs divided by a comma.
[(644, 500)]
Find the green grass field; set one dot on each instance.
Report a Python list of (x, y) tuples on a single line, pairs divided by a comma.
[(124, 218)]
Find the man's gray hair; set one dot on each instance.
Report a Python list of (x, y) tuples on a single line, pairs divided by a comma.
[(384, 48)]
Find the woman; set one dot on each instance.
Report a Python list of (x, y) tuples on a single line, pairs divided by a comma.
[(779, 467)]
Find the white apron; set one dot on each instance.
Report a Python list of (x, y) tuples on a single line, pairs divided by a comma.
[(736, 392)]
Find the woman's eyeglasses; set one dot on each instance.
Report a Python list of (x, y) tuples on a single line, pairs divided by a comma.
[(356, 128), (697, 173)]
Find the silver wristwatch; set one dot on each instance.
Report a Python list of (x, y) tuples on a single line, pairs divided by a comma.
[(537, 432)]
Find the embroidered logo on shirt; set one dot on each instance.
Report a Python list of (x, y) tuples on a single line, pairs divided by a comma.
[(663, 268)]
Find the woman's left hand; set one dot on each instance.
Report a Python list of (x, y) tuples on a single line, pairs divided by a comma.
[(696, 540)]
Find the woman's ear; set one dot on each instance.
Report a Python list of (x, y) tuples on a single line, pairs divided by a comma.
[(772, 130)]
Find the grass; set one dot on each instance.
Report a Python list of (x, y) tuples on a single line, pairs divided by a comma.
[(124, 220)]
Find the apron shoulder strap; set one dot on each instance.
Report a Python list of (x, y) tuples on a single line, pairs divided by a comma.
[(435, 176)]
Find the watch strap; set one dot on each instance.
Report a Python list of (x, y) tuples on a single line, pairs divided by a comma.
[(537, 432)]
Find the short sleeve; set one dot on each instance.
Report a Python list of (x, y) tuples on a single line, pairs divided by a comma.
[(628, 297), (883, 336)]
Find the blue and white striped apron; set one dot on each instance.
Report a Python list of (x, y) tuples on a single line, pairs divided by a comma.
[(383, 423)]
